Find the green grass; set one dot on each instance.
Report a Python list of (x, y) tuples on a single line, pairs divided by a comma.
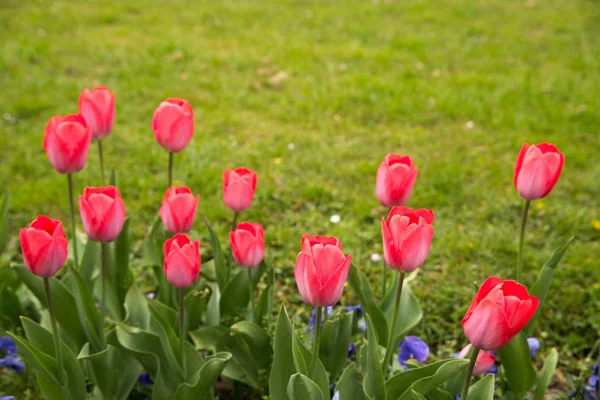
[(365, 79)]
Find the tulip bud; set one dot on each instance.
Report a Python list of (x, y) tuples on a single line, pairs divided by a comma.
[(248, 244), (178, 210), (173, 124), (396, 178), (239, 186), (97, 106), (499, 311), (66, 142), (44, 246), (182, 261), (321, 270), (407, 236), (102, 213), (537, 170)]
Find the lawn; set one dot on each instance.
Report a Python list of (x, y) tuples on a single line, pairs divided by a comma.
[(312, 95)]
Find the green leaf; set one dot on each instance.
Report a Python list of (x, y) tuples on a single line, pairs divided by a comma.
[(300, 387), (518, 369), (154, 243), (374, 383), (195, 304), (546, 374), (4, 207), (417, 396), (89, 318), (439, 394), (10, 309), (166, 293), (335, 339), (283, 359), (136, 309), (113, 178), (213, 310), (167, 335), (208, 338), (542, 284), (201, 384), (221, 266), (483, 389), (91, 258), (350, 384), (235, 297), (257, 341), (265, 300), (122, 277), (443, 374), (409, 313)]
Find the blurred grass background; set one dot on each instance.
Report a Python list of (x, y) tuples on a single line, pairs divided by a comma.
[(312, 95)]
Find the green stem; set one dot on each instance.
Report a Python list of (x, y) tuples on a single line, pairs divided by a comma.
[(103, 277), (251, 293), (101, 160), (170, 169), (521, 240), (316, 344), (57, 346), (389, 350), (73, 232), (383, 281), (182, 329), (234, 222), (467, 381)]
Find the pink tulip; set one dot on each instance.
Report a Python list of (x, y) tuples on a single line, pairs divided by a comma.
[(248, 244), (499, 311), (485, 360), (178, 210), (173, 124), (182, 261), (239, 186), (321, 270), (537, 170), (407, 236), (102, 213), (396, 178), (44, 246), (97, 106), (67, 141)]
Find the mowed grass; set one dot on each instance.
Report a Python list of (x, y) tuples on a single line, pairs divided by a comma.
[(361, 79)]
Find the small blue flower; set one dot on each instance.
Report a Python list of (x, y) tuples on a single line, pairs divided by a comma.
[(594, 381), (351, 349), (534, 346), (7, 398), (585, 393), (145, 379), (357, 308), (412, 348), (10, 359), (362, 325), (336, 396), (8, 345), (313, 318)]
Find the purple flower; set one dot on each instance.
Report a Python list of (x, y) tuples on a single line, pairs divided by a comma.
[(594, 381), (7, 398), (8, 345), (10, 359), (412, 348), (357, 308), (145, 379), (351, 349), (534, 346)]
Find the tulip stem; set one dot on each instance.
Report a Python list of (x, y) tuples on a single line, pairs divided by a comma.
[(316, 343), (73, 232), (384, 281), (521, 240), (251, 293), (234, 222), (101, 160), (170, 169), (182, 329), (389, 350), (467, 381), (57, 346), (103, 277)]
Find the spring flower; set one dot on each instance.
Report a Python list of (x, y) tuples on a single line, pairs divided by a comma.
[(10, 359), (537, 170), (102, 213), (178, 209), (396, 178), (97, 107), (485, 364), (44, 246), (173, 124), (239, 186), (182, 261), (412, 348), (67, 142), (248, 244)]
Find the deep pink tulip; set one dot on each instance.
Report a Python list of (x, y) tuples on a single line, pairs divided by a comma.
[(44, 246), (178, 210), (97, 106), (321, 270), (102, 213), (407, 236), (499, 311), (537, 170), (485, 360), (182, 261), (396, 178), (173, 124), (67, 141), (239, 186), (248, 244)]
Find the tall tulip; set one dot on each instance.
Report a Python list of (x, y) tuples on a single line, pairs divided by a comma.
[(178, 210), (396, 178), (239, 186)]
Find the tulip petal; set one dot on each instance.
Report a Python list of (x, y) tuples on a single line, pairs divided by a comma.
[(487, 327), (306, 279), (334, 285), (326, 260)]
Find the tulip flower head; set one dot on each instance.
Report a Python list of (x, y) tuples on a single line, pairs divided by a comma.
[(178, 210), (485, 363), (537, 170), (321, 270), (173, 124), (102, 213), (44, 246), (396, 178), (499, 311), (248, 244), (97, 106), (239, 186), (67, 142), (182, 261)]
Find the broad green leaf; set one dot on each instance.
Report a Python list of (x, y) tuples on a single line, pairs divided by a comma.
[(439, 394), (417, 396), (136, 308), (483, 389), (546, 374), (195, 304), (335, 339), (374, 383), (257, 340), (235, 297), (4, 207), (166, 293), (409, 314), (283, 359), (265, 301), (350, 384), (167, 335), (320, 376), (208, 338), (443, 374), (401, 382), (221, 266), (89, 317), (362, 288), (302, 364), (154, 243), (10, 309), (213, 310), (518, 369), (300, 387), (89, 261), (122, 277), (201, 384)]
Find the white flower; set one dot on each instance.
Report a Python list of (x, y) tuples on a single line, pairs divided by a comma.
[(334, 219), (470, 125), (375, 257), (291, 146)]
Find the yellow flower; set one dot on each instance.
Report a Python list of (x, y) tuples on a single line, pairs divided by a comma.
[(596, 224), (540, 205), (277, 160), (470, 245)]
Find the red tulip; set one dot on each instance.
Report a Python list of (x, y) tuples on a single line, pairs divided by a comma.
[(44, 246), (182, 261), (396, 178), (97, 106), (407, 236), (178, 210), (239, 186), (485, 360), (67, 141), (173, 124), (321, 270), (102, 213), (498, 312), (537, 170), (248, 244)]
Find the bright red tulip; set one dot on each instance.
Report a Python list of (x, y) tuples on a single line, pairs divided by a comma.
[(537, 170), (173, 124), (44, 246), (178, 210), (485, 360), (67, 141), (321, 270), (182, 261), (102, 213), (407, 236), (396, 178), (248, 244), (97, 106), (498, 312), (239, 186)]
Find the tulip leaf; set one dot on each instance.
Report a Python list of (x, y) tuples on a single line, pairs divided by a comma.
[(409, 313), (213, 311), (163, 325), (516, 360), (546, 374), (136, 308), (335, 339), (201, 383), (439, 394), (400, 383), (166, 292), (221, 266), (10, 308), (302, 362), (257, 340), (195, 304), (483, 389), (4, 207), (374, 384), (88, 313), (265, 301), (235, 297), (443, 374), (208, 338), (417, 396), (154, 243), (542, 285), (91, 258), (283, 360), (300, 387), (122, 277), (350, 384)]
